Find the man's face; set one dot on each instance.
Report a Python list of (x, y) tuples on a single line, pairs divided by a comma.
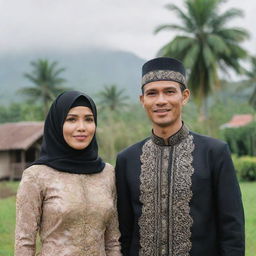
[(163, 101)]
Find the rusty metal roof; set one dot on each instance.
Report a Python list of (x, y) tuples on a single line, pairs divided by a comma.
[(20, 135), (238, 121)]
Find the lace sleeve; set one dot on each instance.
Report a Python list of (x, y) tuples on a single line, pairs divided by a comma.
[(28, 215), (112, 234)]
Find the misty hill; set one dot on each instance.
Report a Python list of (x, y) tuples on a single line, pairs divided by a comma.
[(86, 70)]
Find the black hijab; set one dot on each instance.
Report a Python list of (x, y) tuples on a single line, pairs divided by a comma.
[(55, 152)]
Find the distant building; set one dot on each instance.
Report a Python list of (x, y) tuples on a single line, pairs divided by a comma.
[(238, 121), (19, 146)]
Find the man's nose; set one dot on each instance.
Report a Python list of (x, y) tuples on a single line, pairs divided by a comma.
[(161, 99)]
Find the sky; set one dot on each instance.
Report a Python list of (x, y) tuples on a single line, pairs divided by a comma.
[(117, 24)]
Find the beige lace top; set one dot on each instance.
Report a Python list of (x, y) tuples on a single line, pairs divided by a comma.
[(74, 214)]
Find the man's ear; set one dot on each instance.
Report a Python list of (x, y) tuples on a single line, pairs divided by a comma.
[(185, 95)]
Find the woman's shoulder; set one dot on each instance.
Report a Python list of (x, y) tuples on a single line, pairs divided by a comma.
[(108, 171), (38, 171), (109, 167)]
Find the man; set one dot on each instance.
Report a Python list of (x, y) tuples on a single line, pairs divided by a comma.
[(177, 190)]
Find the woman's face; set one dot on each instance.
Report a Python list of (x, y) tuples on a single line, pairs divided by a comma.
[(79, 127)]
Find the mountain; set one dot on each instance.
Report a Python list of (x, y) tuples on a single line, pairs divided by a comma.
[(88, 70)]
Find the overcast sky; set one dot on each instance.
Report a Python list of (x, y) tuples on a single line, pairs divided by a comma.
[(118, 24)]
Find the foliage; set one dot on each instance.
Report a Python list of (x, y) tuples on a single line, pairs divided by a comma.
[(205, 44), (245, 167), (17, 112), (112, 98), (222, 106), (118, 130), (242, 140), (252, 82), (46, 77)]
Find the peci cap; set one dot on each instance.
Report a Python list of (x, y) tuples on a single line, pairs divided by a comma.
[(163, 69)]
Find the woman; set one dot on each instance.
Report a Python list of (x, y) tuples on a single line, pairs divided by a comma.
[(68, 195)]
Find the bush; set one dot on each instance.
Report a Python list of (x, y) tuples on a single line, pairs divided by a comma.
[(242, 140), (245, 167), (117, 131)]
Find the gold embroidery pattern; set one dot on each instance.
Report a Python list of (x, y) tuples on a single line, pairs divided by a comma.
[(148, 188), (163, 75), (164, 201), (173, 140), (181, 194), (154, 205)]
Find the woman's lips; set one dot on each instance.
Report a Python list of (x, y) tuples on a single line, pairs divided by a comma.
[(80, 137)]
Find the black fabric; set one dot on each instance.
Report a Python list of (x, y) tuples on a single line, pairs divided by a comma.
[(81, 101), (216, 205), (163, 63), (55, 152)]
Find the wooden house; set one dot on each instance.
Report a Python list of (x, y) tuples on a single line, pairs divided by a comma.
[(19, 146)]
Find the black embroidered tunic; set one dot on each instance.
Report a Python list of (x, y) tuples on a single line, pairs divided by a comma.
[(180, 198)]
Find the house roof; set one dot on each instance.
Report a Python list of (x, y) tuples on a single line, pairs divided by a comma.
[(20, 135), (238, 121)]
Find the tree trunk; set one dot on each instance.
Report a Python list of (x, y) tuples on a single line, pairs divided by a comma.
[(203, 111)]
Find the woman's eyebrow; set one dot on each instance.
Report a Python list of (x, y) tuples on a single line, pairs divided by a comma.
[(77, 114)]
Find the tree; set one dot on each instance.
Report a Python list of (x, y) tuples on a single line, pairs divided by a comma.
[(112, 98), (205, 44), (252, 80), (46, 76)]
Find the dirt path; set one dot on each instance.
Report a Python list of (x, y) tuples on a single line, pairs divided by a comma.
[(6, 192)]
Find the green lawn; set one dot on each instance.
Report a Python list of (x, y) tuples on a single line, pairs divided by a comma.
[(249, 200), (7, 218)]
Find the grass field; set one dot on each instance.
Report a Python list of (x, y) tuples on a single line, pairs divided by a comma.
[(249, 201), (7, 217)]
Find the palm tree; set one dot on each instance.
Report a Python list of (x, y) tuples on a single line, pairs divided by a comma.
[(45, 75), (247, 87), (252, 81), (205, 44), (112, 98)]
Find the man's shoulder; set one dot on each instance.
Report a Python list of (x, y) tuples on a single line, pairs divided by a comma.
[(133, 150), (201, 139)]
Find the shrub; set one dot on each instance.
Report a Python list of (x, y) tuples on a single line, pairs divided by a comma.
[(242, 140), (245, 167), (117, 131)]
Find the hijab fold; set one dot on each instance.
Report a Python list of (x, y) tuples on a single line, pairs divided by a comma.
[(55, 152)]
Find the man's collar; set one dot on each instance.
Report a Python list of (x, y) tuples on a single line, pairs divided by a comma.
[(172, 140)]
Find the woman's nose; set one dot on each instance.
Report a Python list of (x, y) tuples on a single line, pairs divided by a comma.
[(81, 125)]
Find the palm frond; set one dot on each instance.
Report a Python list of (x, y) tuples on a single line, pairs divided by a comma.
[(171, 27), (182, 15), (205, 43), (236, 35), (222, 19), (217, 44), (46, 76)]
